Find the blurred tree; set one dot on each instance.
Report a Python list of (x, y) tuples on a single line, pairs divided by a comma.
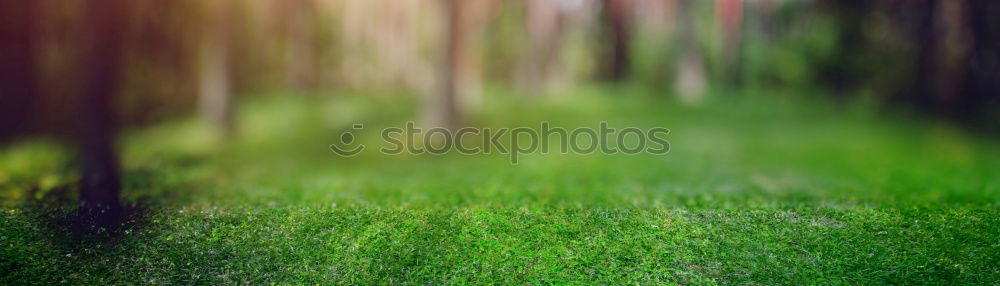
[(543, 22), (443, 108), (99, 185), (656, 16), (161, 49), (981, 86), (941, 37), (842, 71), (301, 47), (917, 22), (459, 70), (729, 24), (387, 43), (655, 50), (618, 30), (18, 68), (691, 79), (764, 18), (938, 56), (215, 90)]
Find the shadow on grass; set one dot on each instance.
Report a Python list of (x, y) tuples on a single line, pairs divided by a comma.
[(45, 223)]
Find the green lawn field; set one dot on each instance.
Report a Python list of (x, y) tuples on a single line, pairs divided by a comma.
[(779, 191)]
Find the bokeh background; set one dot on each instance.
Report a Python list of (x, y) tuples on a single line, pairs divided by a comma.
[(928, 58)]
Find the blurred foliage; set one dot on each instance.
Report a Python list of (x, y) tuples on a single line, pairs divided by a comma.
[(36, 172), (850, 49)]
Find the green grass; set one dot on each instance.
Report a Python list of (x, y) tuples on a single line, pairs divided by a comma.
[(758, 189)]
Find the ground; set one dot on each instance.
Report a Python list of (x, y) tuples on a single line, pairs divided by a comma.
[(756, 189)]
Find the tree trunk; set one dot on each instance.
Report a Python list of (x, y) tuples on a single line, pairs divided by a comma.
[(617, 63), (541, 49), (300, 52), (840, 72), (729, 20), (691, 78), (940, 37), (982, 69), (443, 108), (920, 88), (99, 185), (215, 82), (18, 73)]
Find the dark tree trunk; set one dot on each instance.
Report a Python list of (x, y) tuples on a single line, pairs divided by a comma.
[(99, 185), (840, 73), (921, 87), (955, 87), (617, 63), (18, 72), (981, 88)]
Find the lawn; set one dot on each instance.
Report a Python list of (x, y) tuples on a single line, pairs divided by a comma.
[(786, 190)]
